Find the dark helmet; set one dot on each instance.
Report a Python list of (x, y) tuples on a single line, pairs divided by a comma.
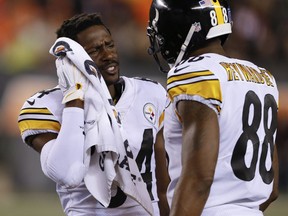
[(178, 26)]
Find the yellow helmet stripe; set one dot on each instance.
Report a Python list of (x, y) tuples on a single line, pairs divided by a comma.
[(219, 12)]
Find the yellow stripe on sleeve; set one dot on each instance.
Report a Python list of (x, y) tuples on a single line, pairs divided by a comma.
[(188, 76), (35, 110), (208, 89), (161, 119), (32, 124)]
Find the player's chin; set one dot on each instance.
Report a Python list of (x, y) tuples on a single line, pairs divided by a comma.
[(111, 79)]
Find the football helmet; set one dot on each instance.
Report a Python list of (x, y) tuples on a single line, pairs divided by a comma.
[(178, 26)]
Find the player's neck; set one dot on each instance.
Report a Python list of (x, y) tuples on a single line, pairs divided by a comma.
[(112, 91), (212, 46), (116, 90)]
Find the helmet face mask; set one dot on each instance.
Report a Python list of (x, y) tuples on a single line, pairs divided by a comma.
[(156, 48), (180, 26)]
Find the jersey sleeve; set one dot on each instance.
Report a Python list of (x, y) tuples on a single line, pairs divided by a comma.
[(200, 85), (41, 113), (161, 103)]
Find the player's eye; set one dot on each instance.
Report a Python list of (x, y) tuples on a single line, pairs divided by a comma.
[(93, 51), (110, 45)]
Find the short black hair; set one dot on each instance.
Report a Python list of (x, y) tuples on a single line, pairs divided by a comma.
[(71, 27)]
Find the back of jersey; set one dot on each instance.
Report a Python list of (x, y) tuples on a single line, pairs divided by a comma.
[(248, 121), (245, 97)]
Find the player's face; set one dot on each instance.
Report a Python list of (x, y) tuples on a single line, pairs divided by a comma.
[(100, 46)]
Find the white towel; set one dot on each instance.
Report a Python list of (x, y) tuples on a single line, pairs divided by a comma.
[(112, 164)]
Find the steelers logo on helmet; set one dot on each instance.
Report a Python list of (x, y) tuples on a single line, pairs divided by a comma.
[(149, 112)]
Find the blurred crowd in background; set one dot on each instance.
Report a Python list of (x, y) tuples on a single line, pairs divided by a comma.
[(27, 30)]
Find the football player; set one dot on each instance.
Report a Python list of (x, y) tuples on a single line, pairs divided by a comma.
[(52, 128), (221, 124)]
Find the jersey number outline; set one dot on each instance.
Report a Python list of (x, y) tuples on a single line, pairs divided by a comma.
[(238, 164), (143, 157)]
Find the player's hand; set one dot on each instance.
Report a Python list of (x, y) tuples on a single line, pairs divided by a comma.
[(72, 82)]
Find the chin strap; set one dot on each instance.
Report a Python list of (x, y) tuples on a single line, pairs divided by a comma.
[(186, 43)]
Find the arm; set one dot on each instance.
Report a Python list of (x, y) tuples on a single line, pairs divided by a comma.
[(274, 194), (200, 131), (38, 141), (62, 157), (162, 176)]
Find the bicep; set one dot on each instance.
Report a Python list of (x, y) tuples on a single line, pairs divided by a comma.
[(38, 141), (200, 132)]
